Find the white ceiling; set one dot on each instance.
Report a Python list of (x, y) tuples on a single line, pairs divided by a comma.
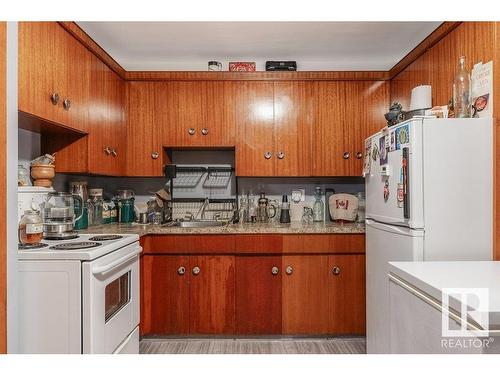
[(314, 45)]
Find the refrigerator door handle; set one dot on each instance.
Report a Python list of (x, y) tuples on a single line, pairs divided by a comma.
[(393, 228), (406, 183)]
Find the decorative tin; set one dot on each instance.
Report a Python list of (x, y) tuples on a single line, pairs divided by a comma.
[(242, 66)]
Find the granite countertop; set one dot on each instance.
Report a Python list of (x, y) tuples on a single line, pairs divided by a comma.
[(268, 228)]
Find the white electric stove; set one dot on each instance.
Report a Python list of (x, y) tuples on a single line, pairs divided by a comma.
[(80, 295)]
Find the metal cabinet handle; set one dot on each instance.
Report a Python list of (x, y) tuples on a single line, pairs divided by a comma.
[(196, 271), (280, 155), (336, 270), (204, 131), (359, 155), (107, 151), (268, 155), (114, 153), (66, 104), (54, 98), (346, 155), (155, 155), (181, 270), (191, 131), (289, 270), (275, 270)]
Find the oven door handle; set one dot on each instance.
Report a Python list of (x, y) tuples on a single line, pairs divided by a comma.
[(103, 270)]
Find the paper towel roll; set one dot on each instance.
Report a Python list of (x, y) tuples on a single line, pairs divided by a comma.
[(421, 97)]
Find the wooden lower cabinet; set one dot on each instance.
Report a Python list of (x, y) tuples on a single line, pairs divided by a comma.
[(347, 296), (305, 294), (165, 295), (252, 293), (258, 294), (211, 302)]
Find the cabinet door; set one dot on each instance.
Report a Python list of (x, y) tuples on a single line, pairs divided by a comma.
[(329, 131), (183, 112), (164, 295), (98, 148), (212, 309), (144, 151), (255, 129), (42, 69), (305, 294), (116, 130), (78, 90), (347, 309), (218, 114), (294, 116), (373, 97), (258, 295)]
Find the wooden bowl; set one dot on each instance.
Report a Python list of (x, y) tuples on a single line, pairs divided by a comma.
[(43, 175)]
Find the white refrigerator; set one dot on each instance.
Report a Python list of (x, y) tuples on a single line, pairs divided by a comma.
[(429, 196)]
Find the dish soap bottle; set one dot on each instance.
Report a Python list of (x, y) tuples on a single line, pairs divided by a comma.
[(461, 91), (318, 208)]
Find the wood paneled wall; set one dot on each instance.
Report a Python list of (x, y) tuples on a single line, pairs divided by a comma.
[(3, 187), (477, 41)]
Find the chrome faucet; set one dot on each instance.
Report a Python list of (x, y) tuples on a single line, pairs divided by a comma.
[(201, 212)]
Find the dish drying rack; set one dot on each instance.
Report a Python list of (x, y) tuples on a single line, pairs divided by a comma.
[(190, 177), (222, 209)]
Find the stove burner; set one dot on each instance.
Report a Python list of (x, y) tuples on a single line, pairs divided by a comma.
[(75, 245), (31, 246), (106, 237), (55, 237)]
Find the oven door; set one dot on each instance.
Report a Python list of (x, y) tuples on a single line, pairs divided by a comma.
[(110, 299)]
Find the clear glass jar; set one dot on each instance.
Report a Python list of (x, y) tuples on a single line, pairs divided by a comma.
[(30, 228), (95, 207), (23, 176), (318, 207), (461, 91)]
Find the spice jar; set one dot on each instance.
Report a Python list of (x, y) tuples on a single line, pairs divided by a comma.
[(30, 228)]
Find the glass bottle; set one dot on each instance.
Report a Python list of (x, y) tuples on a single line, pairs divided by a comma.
[(318, 207), (95, 207), (461, 91)]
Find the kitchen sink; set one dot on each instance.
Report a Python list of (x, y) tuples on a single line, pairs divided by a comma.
[(198, 224)]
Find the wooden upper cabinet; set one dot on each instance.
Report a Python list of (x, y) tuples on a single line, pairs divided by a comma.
[(348, 112), (255, 144), (144, 151), (219, 114), (53, 63), (43, 63), (196, 114), (294, 116)]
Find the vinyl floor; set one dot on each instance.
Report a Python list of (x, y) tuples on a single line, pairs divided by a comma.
[(336, 345)]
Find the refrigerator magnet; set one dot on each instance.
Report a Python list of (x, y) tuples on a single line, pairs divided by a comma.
[(392, 146), (368, 157), (400, 195), (383, 151), (386, 191), (402, 136)]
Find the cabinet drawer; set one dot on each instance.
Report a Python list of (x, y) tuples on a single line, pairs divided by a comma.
[(324, 243), (188, 244), (259, 243)]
